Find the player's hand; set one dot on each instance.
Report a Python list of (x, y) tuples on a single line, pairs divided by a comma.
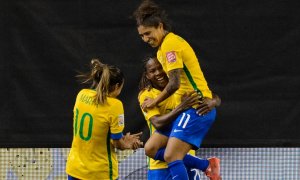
[(133, 140), (189, 99), (137, 144), (148, 103), (206, 105)]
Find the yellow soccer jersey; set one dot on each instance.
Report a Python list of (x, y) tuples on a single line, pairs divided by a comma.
[(92, 156), (176, 53), (163, 108)]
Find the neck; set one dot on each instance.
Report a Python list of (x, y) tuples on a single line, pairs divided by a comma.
[(164, 35)]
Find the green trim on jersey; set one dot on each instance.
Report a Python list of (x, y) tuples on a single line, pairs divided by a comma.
[(188, 74), (75, 125), (148, 159), (109, 156)]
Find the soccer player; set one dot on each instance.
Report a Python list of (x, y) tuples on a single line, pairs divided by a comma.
[(153, 81), (181, 64), (98, 125)]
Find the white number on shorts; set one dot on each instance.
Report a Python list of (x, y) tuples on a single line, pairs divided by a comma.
[(184, 120)]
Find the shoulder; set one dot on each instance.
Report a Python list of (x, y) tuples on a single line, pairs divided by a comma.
[(114, 102), (143, 94), (172, 41), (149, 92), (171, 37), (86, 93)]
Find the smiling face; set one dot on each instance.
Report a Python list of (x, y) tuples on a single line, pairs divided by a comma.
[(151, 34), (156, 74)]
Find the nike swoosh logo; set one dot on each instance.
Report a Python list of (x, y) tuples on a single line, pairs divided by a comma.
[(177, 130), (174, 177)]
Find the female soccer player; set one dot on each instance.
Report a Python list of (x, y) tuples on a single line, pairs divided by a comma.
[(98, 125), (181, 64), (153, 81)]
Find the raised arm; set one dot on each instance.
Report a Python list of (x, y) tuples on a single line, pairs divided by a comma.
[(172, 86)]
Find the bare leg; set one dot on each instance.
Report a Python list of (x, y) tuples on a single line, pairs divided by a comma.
[(154, 143), (176, 149)]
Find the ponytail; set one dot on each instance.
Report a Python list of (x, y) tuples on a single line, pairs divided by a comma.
[(103, 78)]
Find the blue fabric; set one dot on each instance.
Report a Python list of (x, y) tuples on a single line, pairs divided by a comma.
[(191, 127), (72, 178), (195, 162), (159, 174), (178, 170), (190, 161), (116, 136), (160, 154)]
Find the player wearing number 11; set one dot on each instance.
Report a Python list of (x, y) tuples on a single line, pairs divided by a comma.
[(98, 125), (181, 64)]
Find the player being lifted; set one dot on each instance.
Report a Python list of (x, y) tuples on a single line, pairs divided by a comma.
[(153, 81), (181, 64)]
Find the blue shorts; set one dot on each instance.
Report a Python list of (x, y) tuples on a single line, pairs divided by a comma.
[(164, 174), (191, 127), (72, 178), (159, 174)]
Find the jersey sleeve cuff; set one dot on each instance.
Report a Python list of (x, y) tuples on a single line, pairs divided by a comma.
[(116, 136)]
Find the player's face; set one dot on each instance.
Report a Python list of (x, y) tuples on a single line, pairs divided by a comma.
[(152, 35), (156, 74)]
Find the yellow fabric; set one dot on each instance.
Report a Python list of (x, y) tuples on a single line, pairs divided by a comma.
[(174, 53), (163, 108), (92, 155)]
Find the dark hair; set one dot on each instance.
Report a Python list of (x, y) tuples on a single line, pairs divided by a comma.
[(145, 83), (103, 78), (150, 14)]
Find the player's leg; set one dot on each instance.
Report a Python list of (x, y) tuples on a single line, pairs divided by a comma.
[(189, 161), (174, 153), (154, 143), (188, 131)]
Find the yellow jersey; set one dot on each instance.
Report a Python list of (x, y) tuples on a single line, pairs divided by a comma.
[(92, 155), (162, 108), (176, 53)]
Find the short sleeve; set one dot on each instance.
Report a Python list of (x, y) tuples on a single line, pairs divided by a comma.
[(150, 112), (117, 120), (171, 53)]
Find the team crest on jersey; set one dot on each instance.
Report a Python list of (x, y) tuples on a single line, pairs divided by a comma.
[(121, 119), (171, 56)]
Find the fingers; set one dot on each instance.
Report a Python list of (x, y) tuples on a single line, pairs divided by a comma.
[(137, 144), (137, 134), (203, 111)]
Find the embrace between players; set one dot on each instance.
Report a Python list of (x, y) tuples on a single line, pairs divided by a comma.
[(174, 97)]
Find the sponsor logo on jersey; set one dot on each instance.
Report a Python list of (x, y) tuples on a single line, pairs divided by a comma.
[(171, 56)]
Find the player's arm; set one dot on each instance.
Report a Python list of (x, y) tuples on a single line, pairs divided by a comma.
[(172, 86), (188, 100), (129, 141)]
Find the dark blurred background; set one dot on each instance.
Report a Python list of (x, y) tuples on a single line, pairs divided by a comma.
[(248, 51)]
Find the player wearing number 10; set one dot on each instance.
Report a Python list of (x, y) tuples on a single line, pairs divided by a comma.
[(98, 125)]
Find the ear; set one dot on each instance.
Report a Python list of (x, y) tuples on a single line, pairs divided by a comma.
[(117, 86), (161, 25), (147, 76)]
